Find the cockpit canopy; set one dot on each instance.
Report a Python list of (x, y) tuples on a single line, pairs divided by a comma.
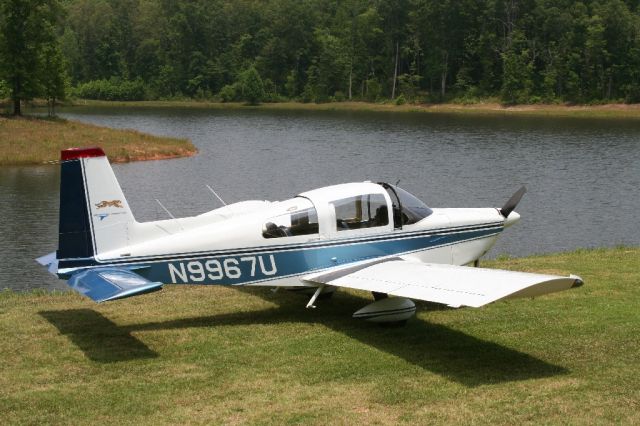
[(407, 208), (361, 206)]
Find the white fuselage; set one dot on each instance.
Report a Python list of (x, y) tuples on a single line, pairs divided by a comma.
[(276, 243)]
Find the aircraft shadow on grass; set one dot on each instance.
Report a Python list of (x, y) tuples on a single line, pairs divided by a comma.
[(442, 350)]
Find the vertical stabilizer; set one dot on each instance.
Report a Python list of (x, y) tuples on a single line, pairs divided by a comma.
[(94, 215)]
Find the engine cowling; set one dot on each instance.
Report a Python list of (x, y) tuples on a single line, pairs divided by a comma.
[(390, 309)]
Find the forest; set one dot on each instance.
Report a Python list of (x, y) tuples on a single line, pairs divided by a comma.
[(515, 51)]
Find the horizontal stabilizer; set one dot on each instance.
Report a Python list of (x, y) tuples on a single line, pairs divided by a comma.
[(47, 259), (450, 285), (50, 261), (106, 284)]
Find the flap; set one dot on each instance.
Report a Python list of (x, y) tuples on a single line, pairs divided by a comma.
[(106, 284), (447, 284)]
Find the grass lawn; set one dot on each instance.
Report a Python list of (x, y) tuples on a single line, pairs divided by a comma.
[(30, 140), (220, 355)]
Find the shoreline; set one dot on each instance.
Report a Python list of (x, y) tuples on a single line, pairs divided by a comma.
[(32, 140), (614, 111)]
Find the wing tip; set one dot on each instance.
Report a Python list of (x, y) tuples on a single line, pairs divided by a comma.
[(150, 288), (577, 281)]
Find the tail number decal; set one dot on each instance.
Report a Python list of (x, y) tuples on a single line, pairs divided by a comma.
[(231, 268)]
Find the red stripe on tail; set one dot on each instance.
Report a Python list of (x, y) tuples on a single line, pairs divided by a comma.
[(75, 153)]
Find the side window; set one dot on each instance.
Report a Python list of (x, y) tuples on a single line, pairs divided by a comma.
[(363, 211), (303, 222)]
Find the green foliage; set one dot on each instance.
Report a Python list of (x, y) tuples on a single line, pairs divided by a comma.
[(373, 90), (564, 51), (308, 94), (408, 85), (30, 61), (250, 86), (517, 72), (228, 93), (271, 92), (53, 76), (5, 91), (114, 89), (291, 84), (400, 100)]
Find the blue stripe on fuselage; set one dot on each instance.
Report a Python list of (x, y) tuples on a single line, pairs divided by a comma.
[(250, 266), (83, 262)]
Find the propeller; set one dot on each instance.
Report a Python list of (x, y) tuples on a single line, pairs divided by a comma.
[(511, 204)]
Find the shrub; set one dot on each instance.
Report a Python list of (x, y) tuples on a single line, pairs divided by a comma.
[(373, 91), (4, 90), (535, 99), (308, 94), (228, 93), (632, 93), (400, 100), (291, 85), (408, 85), (251, 86), (114, 89)]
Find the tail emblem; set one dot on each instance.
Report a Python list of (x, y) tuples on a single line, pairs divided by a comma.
[(112, 203)]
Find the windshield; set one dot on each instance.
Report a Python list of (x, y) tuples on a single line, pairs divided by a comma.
[(413, 210)]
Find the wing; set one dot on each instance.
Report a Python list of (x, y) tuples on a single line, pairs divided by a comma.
[(106, 284), (451, 285)]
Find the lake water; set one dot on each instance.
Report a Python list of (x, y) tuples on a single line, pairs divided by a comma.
[(583, 175)]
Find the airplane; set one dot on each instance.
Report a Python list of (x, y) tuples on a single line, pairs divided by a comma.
[(367, 236)]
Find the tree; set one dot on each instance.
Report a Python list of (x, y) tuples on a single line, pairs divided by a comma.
[(251, 86), (394, 14), (517, 72), (26, 28), (53, 77), (522, 50)]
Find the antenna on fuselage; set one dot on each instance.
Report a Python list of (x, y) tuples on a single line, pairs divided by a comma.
[(216, 194), (169, 213)]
